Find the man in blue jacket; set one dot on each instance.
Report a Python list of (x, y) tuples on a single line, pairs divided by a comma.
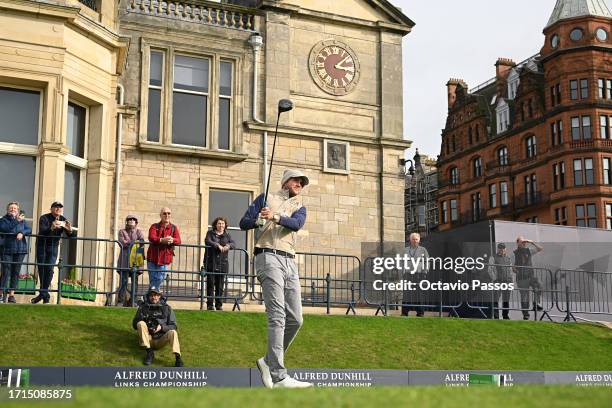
[(51, 226), (13, 229), (283, 215)]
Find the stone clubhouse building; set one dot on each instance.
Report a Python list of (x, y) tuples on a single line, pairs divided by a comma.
[(118, 107)]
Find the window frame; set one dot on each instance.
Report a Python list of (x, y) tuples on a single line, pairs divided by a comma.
[(215, 57)]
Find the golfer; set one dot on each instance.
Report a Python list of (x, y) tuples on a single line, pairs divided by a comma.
[(277, 273)]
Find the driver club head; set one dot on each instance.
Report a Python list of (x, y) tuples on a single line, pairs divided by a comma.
[(285, 105)]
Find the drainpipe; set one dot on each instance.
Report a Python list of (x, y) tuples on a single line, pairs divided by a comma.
[(256, 41), (121, 91)]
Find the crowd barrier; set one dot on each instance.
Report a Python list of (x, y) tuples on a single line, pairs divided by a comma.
[(86, 269)]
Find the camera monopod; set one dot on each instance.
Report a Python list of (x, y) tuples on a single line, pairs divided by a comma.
[(284, 105)]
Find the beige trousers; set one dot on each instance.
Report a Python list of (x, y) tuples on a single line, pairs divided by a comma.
[(146, 340)]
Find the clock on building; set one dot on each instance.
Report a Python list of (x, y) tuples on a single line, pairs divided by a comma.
[(334, 67)]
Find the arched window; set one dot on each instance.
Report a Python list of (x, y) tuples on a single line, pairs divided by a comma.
[(454, 176), (470, 140), (477, 167), (502, 156), (530, 146)]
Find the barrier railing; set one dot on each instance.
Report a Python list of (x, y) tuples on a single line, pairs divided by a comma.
[(534, 290), (589, 292), (395, 288), (325, 279)]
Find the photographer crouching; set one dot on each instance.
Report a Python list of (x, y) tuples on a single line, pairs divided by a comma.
[(156, 325)]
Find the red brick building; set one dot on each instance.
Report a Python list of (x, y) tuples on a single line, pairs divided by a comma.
[(534, 143)]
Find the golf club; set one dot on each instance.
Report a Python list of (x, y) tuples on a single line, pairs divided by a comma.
[(284, 105)]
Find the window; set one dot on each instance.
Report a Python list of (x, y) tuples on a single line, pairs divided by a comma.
[(72, 205), (588, 172), (578, 180), (190, 101), (530, 108), (532, 220), (19, 116), (454, 176), (558, 176), (584, 88), (444, 214), (607, 170), (75, 131), (573, 89), (581, 128), (476, 205), (502, 156), (503, 190), (477, 133), (530, 189), (580, 216), (561, 216), (605, 127), (555, 95), (609, 215), (454, 144), (576, 34), (477, 167), (454, 212), (184, 92), (586, 127), (583, 172), (421, 215), (530, 146), (470, 141), (522, 109), (601, 88), (20, 185), (556, 132), (230, 205), (225, 103), (493, 196), (591, 215), (20, 111), (503, 117), (156, 78)]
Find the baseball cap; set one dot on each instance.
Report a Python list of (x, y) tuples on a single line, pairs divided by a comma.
[(131, 217), (155, 289), (501, 245), (57, 204)]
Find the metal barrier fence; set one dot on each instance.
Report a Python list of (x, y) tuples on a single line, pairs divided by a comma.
[(534, 290), (85, 268), (76, 268), (395, 288), (325, 279), (588, 292)]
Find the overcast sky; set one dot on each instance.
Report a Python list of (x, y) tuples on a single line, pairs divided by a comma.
[(460, 39)]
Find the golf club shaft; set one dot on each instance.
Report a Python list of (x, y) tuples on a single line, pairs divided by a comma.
[(271, 161)]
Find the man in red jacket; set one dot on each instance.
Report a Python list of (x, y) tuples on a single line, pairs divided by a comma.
[(163, 236)]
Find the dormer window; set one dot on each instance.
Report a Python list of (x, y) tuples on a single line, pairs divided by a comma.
[(503, 116), (576, 34), (513, 83), (554, 41)]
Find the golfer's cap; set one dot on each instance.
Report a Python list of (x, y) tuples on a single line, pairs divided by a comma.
[(292, 173), (57, 204)]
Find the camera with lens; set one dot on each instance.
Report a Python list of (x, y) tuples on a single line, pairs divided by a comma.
[(154, 312)]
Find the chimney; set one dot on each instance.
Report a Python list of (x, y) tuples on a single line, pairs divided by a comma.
[(502, 70), (451, 90)]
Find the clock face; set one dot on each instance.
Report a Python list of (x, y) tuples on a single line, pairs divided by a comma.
[(334, 67)]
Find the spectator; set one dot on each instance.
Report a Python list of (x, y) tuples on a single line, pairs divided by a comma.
[(14, 249), (503, 274), (51, 226), (163, 236), (525, 275), (415, 251), (128, 236), (219, 242), (156, 325)]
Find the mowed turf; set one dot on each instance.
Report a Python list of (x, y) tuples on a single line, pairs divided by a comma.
[(422, 397), (95, 336)]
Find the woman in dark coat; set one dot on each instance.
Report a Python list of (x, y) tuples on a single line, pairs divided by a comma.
[(218, 242), (15, 247)]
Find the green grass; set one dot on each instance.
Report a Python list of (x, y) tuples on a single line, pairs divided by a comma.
[(516, 397), (90, 336)]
